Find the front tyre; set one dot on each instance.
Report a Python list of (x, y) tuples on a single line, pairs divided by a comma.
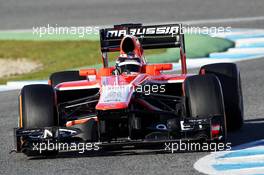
[(205, 99), (229, 77), (38, 107), (37, 110)]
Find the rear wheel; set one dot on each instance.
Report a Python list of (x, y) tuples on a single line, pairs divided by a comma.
[(205, 99), (37, 110), (65, 76), (229, 77)]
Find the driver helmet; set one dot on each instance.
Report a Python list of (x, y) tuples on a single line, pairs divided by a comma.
[(129, 63)]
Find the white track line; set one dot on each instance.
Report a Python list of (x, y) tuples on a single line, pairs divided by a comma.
[(255, 158), (246, 50), (250, 40), (204, 164)]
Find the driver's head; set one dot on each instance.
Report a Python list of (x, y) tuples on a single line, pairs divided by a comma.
[(129, 63)]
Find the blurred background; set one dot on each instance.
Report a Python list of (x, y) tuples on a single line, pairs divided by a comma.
[(24, 14)]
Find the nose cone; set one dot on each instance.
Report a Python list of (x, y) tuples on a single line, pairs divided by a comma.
[(115, 93)]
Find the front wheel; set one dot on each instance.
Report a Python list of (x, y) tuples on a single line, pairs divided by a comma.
[(37, 110), (37, 107), (205, 99), (229, 77)]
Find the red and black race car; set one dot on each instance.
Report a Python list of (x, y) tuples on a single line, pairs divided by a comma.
[(133, 102)]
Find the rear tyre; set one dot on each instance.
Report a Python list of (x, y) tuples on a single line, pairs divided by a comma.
[(37, 110), (65, 76), (205, 99), (229, 77)]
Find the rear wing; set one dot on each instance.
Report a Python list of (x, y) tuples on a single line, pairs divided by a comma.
[(150, 37)]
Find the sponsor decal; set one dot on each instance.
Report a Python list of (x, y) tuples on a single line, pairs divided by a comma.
[(163, 30)]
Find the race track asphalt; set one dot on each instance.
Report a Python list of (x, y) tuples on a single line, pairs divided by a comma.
[(25, 14), (131, 161)]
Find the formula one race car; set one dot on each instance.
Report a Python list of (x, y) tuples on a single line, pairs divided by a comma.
[(132, 103)]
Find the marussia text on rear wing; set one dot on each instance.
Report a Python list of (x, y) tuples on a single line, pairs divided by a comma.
[(150, 37)]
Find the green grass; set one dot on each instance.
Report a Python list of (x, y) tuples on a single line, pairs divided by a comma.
[(62, 55), (30, 35), (54, 55), (197, 46)]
